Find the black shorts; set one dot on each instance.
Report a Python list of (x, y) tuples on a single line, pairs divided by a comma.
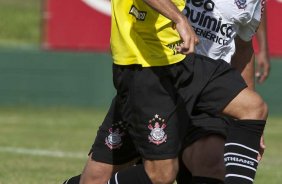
[(223, 86), (151, 110), (206, 126)]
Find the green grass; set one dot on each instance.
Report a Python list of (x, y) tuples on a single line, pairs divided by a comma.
[(269, 171), (20, 22), (71, 130), (53, 129)]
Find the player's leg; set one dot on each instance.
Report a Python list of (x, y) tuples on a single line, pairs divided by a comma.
[(159, 150), (113, 148), (99, 172), (247, 105), (204, 149), (111, 152), (96, 172), (226, 86), (153, 171), (184, 175), (204, 158), (212, 166), (157, 130), (73, 180), (243, 140), (247, 70)]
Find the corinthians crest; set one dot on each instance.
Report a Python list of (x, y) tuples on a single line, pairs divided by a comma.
[(157, 126), (241, 4), (113, 140)]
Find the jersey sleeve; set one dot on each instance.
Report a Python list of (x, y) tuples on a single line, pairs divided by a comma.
[(247, 31), (251, 20)]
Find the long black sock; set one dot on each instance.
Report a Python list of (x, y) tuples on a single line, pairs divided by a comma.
[(241, 151), (205, 180), (184, 176), (135, 174), (73, 180)]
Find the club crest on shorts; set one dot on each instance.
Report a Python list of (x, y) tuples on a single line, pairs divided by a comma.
[(157, 134), (241, 4), (114, 139)]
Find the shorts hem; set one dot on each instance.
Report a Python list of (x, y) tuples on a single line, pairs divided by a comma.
[(160, 157), (230, 97), (208, 133), (95, 156)]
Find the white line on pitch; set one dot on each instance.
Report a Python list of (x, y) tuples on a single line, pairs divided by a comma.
[(41, 152)]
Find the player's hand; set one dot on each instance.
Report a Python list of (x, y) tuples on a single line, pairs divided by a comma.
[(262, 67), (261, 149), (188, 36)]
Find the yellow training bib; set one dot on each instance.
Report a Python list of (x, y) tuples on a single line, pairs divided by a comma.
[(140, 35)]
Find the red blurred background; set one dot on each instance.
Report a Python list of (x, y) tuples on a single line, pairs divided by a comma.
[(85, 25)]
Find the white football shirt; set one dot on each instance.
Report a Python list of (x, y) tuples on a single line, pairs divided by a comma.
[(217, 22)]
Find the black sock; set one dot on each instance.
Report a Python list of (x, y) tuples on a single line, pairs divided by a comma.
[(205, 180), (184, 176), (73, 180), (134, 174), (241, 151)]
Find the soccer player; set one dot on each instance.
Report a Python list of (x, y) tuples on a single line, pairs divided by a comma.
[(157, 89), (203, 157)]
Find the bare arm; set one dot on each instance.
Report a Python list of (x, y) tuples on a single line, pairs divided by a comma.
[(262, 58), (263, 63), (243, 60), (186, 32)]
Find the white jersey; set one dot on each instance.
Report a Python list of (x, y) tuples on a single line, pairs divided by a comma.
[(217, 22)]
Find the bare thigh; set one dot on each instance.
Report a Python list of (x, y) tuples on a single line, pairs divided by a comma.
[(247, 105)]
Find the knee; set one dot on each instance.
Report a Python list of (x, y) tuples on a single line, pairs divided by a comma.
[(167, 177), (247, 105), (251, 106), (162, 172), (263, 110), (214, 167), (258, 109), (96, 172), (88, 179), (205, 157)]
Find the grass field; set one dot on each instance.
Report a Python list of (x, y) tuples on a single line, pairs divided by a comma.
[(20, 22), (33, 141), (46, 145)]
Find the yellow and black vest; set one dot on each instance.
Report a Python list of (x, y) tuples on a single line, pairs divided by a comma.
[(140, 35)]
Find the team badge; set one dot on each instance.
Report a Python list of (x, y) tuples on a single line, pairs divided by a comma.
[(157, 134), (241, 4), (114, 139)]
